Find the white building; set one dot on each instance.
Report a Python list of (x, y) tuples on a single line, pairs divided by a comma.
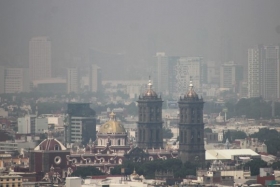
[(188, 67), (73, 182), (41, 125), (26, 124), (17, 80), (40, 58), (72, 80)]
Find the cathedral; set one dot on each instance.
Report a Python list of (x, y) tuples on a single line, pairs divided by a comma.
[(149, 126), (112, 145), (191, 127)]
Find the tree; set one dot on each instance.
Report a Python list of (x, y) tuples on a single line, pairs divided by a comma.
[(149, 168), (255, 166), (83, 172), (233, 135)]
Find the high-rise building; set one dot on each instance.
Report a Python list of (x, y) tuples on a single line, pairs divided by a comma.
[(17, 80), (191, 127), (149, 125), (188, 67), (2, 79), (254, 72), (40, 58), (171, 73), (160, 73), (271, 75), (80, 124), (73, 80), (228, 75), (264, 72), (95, 78)]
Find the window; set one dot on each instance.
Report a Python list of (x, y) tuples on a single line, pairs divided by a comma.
[(56, 147)]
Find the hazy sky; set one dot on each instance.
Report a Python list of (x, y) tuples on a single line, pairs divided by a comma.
[(218, 30)]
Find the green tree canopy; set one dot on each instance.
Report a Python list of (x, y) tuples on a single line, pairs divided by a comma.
[(148, 168), (255, 166), (83, 172), (232, 135)]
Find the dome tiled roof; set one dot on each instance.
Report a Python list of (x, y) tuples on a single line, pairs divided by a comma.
[(150, 92), (112, 126), (191, 93), (50, 144)]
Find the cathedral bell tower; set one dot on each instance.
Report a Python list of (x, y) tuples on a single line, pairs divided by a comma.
[(191, 127), (149, 125)]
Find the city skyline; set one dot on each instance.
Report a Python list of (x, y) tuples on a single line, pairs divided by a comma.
[(137, 30)]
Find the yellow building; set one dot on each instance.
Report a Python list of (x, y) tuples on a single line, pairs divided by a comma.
[(10, 181)]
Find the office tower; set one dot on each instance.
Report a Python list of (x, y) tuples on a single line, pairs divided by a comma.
[(40, 58), (160, 73), (149, 125), (73, 80), (191, 127), (17, 80), (172, 81), (95, 78), (188, 67), (2, 79), (80, 124), (228, 75), (254, 72), (271, 75), (263, 72)]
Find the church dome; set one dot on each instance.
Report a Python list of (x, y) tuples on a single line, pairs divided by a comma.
[(50, 144), (112, 126), (150, 92), (191, 93)]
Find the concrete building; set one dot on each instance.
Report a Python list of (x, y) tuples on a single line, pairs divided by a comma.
[(271, 74), (254, 72), (188, 67), (26, 124), (40, 58), (2, 79), (160, 74), (41, 125), (73, 182), (17, 80), (263, 72), (72, 80), (80, 123), (95, 78), (228, 75)]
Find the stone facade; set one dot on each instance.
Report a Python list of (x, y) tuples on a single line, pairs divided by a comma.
[(149, 126), (191, 127)]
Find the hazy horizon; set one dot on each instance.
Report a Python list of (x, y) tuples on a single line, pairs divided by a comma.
[(217, 30)]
